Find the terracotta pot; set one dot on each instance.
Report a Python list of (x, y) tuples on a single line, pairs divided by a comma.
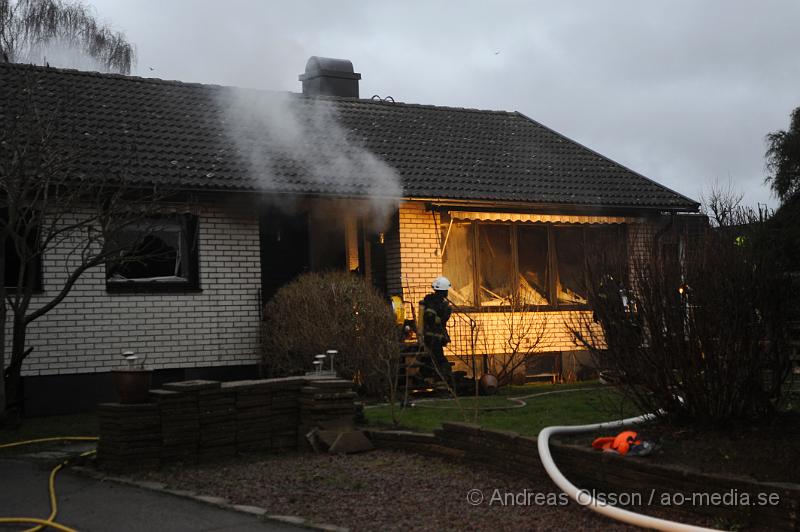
[(133, 385)]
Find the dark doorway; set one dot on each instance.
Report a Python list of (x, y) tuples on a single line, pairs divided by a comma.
[(284, 249), (372, 257)]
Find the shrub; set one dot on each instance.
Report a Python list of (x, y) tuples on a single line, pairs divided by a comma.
[(703, 340), (334, 310)]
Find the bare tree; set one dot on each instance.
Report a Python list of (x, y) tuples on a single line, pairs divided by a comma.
[(723, 204), (700, 336), (47, 207), (386, 363), (521, 331), (39, 31)]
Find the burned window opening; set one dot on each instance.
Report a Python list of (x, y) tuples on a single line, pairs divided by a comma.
[(372, 255), (284, 247), (317, 237), (155, 253)]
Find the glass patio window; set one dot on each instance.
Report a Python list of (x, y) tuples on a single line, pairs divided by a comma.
[(533, 268), (495, 265), (571, 286), (458, 264)]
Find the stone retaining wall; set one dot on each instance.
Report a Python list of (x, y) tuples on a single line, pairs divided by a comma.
[(197, 421), (609, 473)]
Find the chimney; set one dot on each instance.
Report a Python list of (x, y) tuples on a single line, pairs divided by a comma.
[(325, 76)]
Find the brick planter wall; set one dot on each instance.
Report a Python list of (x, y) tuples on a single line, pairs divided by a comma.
[(607, 473), (197, 421)]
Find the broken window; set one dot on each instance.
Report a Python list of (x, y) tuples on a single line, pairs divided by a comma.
[(495, 264), (571, 286), (532, 252), (157, 252), (458, 263)]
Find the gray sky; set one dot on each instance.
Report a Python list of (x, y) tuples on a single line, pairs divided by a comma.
[(682, 91)]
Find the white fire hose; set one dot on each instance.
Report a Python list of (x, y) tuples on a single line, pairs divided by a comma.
[(584, 498)]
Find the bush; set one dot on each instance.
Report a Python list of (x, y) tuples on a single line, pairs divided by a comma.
[(334, 310), (704, 340)]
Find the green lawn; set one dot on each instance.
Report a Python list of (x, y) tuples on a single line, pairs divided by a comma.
[(572, 408), (598, 404), (46, 427)]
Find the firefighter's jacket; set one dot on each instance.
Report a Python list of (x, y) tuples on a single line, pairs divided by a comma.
[(435, 313)]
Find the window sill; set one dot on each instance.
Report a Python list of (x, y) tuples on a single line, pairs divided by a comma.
[(151, 288)]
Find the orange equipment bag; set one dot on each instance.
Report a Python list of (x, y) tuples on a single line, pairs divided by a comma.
[(620, 443)]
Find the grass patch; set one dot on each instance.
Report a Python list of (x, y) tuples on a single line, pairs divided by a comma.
[(573, 408), (51, 426)]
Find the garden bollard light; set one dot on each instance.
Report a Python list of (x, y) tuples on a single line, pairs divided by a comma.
[(332, 353)]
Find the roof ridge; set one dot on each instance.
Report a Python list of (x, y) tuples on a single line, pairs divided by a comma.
[(423, 105), (194, 84), (109, 75)]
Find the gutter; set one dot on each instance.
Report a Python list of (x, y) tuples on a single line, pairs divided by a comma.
[(445, 203), (434, 203)]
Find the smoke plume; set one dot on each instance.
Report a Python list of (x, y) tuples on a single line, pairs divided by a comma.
[(61, 53), (297, 145)]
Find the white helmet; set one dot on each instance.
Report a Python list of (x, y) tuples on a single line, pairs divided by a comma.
[(441, 283)]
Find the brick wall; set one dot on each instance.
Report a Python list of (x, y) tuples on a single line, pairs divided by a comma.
[(640, 239), (219, 326), (203, 420), (553, 328), (419, 247)]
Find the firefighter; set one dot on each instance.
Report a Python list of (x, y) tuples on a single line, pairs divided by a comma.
[(435, 310)]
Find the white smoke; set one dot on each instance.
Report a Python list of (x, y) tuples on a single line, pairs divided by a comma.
[(293, 144), (60, 53)]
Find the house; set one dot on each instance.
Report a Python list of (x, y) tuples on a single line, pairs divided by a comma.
[(284, 183)]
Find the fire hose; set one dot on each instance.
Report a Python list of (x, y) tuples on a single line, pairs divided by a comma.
[(583, 497), (49, 522)]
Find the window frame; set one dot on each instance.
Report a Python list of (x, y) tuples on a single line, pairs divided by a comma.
[(476, 263), (192, 284), (552, 281)]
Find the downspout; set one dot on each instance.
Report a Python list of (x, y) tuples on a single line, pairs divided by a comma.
[(661, 232)]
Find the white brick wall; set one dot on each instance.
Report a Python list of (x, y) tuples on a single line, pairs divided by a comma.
[(219, 326)]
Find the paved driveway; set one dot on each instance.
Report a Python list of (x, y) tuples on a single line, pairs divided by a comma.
[(91, 505)]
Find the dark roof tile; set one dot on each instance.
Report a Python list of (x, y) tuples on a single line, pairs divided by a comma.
[(179, 132)]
